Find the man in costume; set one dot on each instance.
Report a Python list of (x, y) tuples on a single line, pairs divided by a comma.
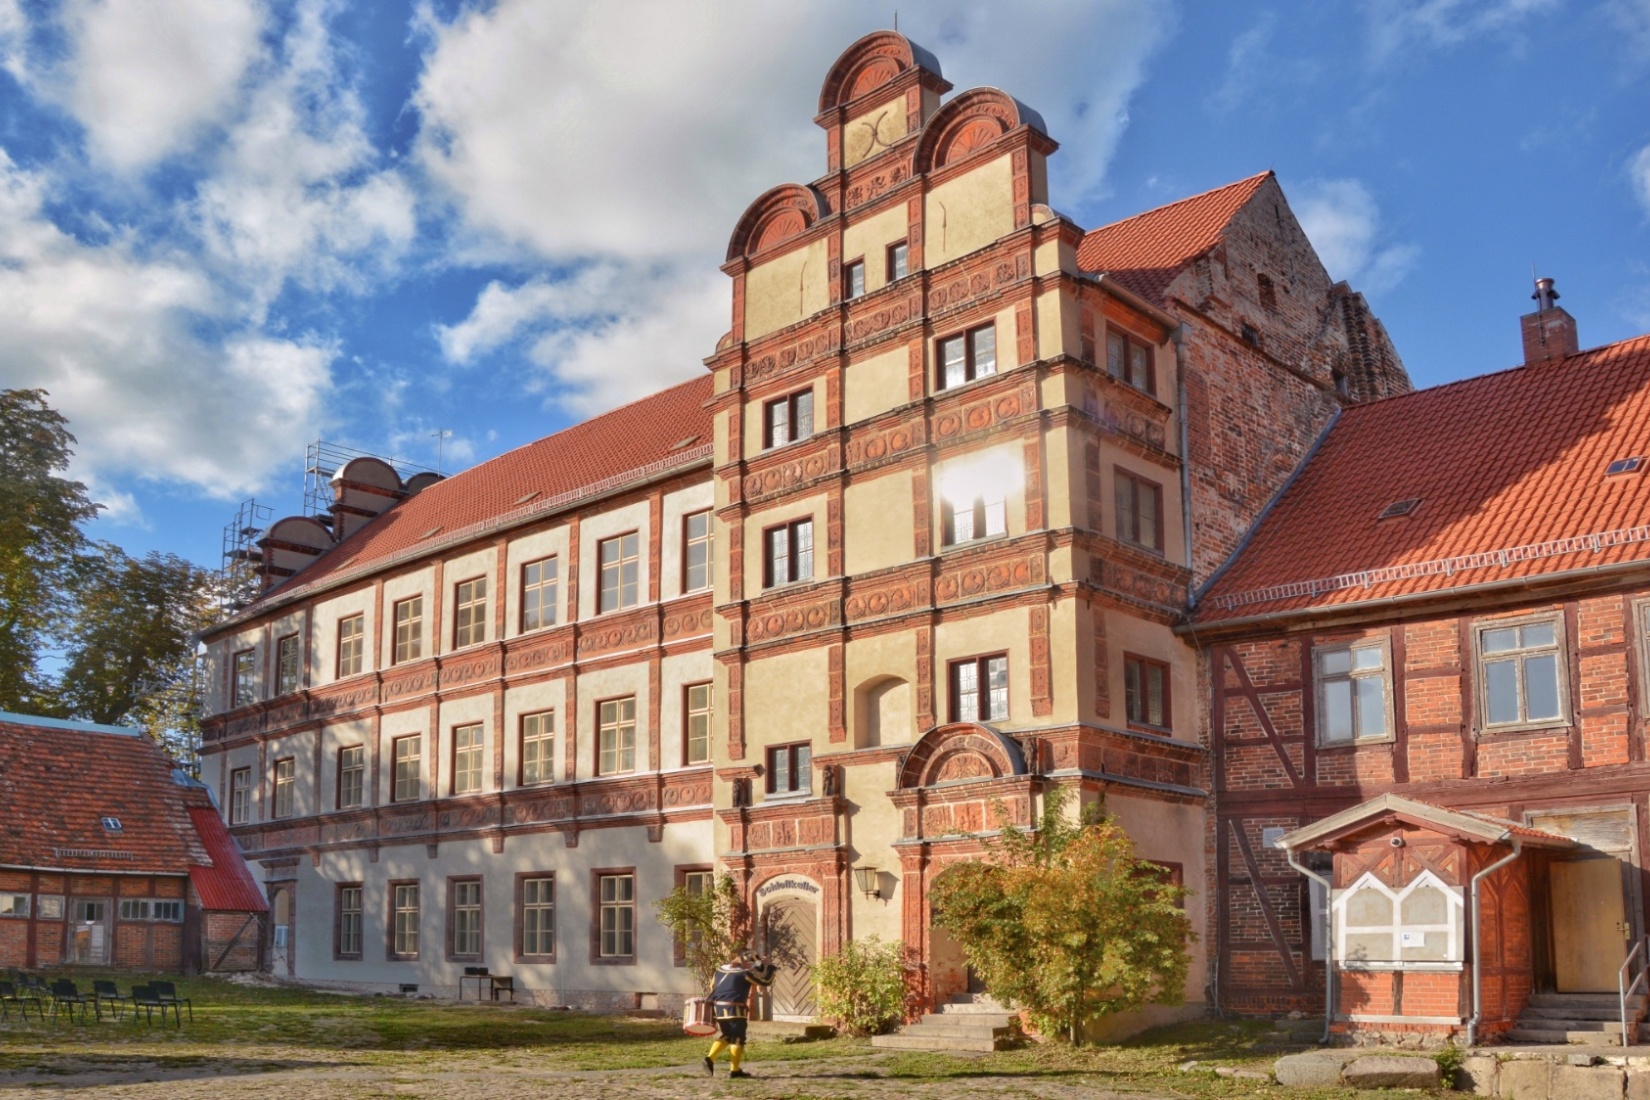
[(730, 1003)]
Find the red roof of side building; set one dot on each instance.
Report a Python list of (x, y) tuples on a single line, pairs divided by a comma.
[(1147, 251), (651, 435), (1509, 472), (227, 883)]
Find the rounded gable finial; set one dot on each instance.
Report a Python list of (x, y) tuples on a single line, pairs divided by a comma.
[(870, 63)]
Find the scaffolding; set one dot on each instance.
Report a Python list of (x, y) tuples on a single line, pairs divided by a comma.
[(240, 579), (323, 459)]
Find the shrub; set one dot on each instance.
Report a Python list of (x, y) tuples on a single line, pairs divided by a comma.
[(862, 988), (708, 927)]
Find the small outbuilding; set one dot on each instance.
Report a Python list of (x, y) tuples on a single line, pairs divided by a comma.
[(112, 857)]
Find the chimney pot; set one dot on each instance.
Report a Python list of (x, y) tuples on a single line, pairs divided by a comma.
[(1549, 332)]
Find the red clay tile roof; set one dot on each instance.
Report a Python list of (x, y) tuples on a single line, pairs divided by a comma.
[(1147, 251), (1509, 469), (667, 428), (58, 780), (227, 883)]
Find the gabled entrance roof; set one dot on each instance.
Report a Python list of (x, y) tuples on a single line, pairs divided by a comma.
[(1463, 824)]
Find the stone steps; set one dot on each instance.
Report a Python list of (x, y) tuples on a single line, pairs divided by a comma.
[(1589, 1019), (1524, 1033), (972, 1022)]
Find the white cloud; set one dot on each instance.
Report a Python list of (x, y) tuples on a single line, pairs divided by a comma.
[(1246, 67), (1344, 224), (1638, 170), (146, 80), (13, 32), (1396, 25)]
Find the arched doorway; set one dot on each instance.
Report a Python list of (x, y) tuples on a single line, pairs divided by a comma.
[(790, 936)]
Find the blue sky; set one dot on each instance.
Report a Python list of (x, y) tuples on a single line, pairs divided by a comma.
[(229, 227)]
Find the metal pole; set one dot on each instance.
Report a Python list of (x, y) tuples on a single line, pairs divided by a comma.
[(1477, 954), (1328, 939)]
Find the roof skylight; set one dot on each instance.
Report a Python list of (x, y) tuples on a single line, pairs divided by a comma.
[(1625, 466), (1400, 508)]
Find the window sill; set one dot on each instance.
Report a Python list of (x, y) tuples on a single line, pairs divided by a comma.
[(1357, 743), (613, 960), (1154, 551), (1423, 967), (346, 958), (535, 960), (964, 544), (1165, 732), (784, 798), (1525, 727), (777, 447)]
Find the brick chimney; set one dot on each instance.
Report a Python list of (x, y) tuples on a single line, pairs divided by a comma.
[(1549, 332)]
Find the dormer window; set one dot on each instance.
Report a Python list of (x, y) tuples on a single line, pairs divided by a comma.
[(111, 824)]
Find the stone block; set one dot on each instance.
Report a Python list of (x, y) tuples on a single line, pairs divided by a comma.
[(1525, 1079), (1317, 1067), (1391, 1071), (1477, 1075), (1586, 1083), (1638, 1083)]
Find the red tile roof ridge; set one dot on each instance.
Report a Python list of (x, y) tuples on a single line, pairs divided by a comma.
[(1247, 181)]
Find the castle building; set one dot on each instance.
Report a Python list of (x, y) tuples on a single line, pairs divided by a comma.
[(913, 548)]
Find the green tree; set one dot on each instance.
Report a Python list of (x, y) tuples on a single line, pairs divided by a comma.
[(862, 987), (1065, 922), (709, 926), (41, 545)]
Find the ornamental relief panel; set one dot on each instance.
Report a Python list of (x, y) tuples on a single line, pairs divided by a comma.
[(632, 633), (865, 188), (362, 696), (688, 623), (966, 287), (819, 341), (984, 578), (873, 319), (554, 808), (1135, 583), (360, 829), (870, 447), (404, 823), (765, 624), (695, 793), (469, 670), (413, 683), (784, 476), (1118, 418), (532, 656), (612, 803), (470, 817), (979, 415)]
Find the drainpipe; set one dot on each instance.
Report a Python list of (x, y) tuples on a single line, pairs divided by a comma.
[(1178, 336), (1328, 939), (1477, 970)]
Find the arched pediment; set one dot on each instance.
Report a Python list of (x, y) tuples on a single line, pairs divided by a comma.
[(969, 123), (780, 214), (869, 64), (960, 752)]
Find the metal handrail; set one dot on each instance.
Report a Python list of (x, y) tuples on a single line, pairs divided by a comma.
[(1642, 947)]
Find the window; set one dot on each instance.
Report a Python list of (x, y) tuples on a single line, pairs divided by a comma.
[(464, 918), (979, 518), (14, 905), (897, 261), (979, 689), (616, 747), (697, 547), (289, 665), (618, 560), (1129, 360), (697, 882), (469, 750), (1519, 663), (284, 786), (788, 419), (618, 916), (403, 920), (352, 773), (1146, 691), (538, 594), (696, 724), (853, 279), (470, 626), (790, 769), (150, 909), (240, 796), (536, 906), (538, 748), (1139, 512), (348, 902), (788, 553), (1352, 692), (968, 356), (244, 691), (351, 633), (408, 764), (1380, 927), (409, 629)]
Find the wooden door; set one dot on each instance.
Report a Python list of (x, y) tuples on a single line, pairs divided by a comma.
[(1589, 918), (790, 933), (89, 932)]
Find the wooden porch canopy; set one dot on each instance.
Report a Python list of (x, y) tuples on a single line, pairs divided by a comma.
[(1466, 825)]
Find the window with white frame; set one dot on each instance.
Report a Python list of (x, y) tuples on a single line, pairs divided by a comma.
[(538, 594), (407, 778), (469, 753), (14, 905), (289, 669), (244, 690), (538, 748), (285, 786), (696, 723), (240, 796), (981, 517), (352, 772), (618, 558), (465, 915), (618, 916), (352, 631), (349, 921), (409, 629), (616, 736), (697, 547), (1354, 692), (404, 920), (1379, 927), (1520, 668), (538, 916), (470, 612), (154, 909)]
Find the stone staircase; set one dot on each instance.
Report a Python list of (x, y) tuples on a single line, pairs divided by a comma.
[(970, 1021), (1593, 1019)]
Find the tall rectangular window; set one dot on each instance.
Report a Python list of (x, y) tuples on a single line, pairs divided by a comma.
[(470, 612), (980, 518), (244, 690), (790, 769), (1139, 511), (408, 763), (285, 782), (464, 918), (897, 260), (696, 734), (618, 557), (967, 356), (979, 689), (1520, 667), (538, 747), (289, 665), (469, 751), (618, 916), (348, 901), (352, 774), (853, 279), (1146, 691), (1129, 360), (351, 636), (697, 547), (404, 920), (616, 736), (409, 629), (1352, 692), (788, 419), (788, 553), (538, 594), (537, 912), (240, 796)]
